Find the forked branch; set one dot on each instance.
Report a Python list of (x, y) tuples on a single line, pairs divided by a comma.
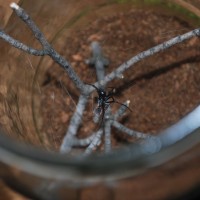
[(47, 48), (167, 137)]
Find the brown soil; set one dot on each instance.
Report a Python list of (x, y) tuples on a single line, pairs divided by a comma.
[(162, 89)]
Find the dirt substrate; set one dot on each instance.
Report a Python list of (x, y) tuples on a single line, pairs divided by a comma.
[(162, 88)]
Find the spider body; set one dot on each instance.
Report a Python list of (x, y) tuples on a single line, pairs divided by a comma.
[(104, 100)]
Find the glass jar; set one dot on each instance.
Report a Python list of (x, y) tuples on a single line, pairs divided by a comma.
[(29, 164)]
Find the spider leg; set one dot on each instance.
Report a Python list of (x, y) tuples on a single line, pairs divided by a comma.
[(114, 101), (123, 105), (96, 88), (102, 116), (111, 92), (111, 101)]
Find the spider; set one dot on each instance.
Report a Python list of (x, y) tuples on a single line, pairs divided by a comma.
[(104, 101)]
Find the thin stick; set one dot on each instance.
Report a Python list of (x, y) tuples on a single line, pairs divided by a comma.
[(121, 110), (107, 132), (21, 46), (85, 141), (74, 125), (128, 131), (95, 142), (122, 68)]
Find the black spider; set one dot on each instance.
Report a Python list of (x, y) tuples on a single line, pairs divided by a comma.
[(104, 100)]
